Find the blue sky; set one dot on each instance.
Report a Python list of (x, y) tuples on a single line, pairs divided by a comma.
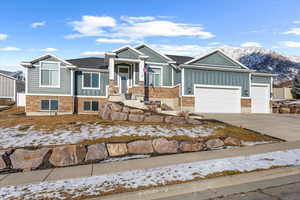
[(72, 29)]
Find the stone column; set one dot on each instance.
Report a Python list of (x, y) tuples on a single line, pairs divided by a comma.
[(141, 89), (111, 71)]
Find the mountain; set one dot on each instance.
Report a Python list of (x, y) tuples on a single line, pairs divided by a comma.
[(265, 60)]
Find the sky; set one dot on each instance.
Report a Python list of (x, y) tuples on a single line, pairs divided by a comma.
[(85, 28)]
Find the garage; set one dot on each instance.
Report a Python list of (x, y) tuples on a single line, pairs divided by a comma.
[(260, 102), (217, 99)]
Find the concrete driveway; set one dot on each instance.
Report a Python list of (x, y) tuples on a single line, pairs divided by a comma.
[(283, 126)]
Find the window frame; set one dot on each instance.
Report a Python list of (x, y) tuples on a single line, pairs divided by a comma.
[(91, 106), (91, 88), (40, 74), (161, 76), (49, 101)]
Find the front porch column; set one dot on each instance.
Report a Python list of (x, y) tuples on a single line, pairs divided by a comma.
[(142, 75), (111, 71)]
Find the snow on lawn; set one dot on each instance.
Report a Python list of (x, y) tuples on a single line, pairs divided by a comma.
[(15, 137), (99, 185)]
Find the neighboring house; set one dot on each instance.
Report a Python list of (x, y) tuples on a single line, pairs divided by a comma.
[(212, 83), (10, 84), (283, 90)]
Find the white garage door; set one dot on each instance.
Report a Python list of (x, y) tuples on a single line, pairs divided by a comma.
[(260, 102), (217, 99)]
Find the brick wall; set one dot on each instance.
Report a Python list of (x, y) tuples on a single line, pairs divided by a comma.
[(79, 103), (138, 89), (246, 103), (33, 103), (112, 89), (187, 101), (161, 92)]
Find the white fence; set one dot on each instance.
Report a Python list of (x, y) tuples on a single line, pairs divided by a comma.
[(21, 99)]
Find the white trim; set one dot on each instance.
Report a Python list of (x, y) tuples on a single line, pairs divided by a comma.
[(96, 97), (72, 82), (127, 47), (15, 90), (260, 84), (250, 82), (50, 95), (161, 74), (26, 81), (127, 60), (90, 88), (119, 78), (7, 97), (92, 70), (172, 78), (271, 85), (215, 51), (40, 75), (156, 51), (26, 63), (219, 86), (263, 74), (156, 63), (216, 68), (182, 83)]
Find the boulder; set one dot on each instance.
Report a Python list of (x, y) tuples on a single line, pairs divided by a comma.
[(140, 147), (188, 146), (117, 149), (126, 109), (284, 109), (175, 120), (136, 118), (119, 116), (163, 146), (28, 159), (136, 111), (214, 143), (116, 107), (193, 121), (106, 112), (2, 162), (67, 155), (154, 119), (96, 152), (231, 141)]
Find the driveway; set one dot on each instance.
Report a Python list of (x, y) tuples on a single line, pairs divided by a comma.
[(283, 126)]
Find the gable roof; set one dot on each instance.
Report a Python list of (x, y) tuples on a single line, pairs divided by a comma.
[(29, 63), (154, 50), (212, 52), (7, 74), (128, 47), (89, 62), (180, 59)]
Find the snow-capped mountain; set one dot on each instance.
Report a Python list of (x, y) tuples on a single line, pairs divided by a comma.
[(265, 60)]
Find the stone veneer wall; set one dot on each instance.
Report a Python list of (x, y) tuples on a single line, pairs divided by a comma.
[(67, 155), (33, 104)]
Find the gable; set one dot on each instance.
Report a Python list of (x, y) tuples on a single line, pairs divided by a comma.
[(51, 59), (153, 56), (127, 53), (216, 59)]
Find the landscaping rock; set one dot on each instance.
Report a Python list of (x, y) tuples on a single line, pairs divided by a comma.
[(126, 109), (140, 147), (106, 112), (118, 149), (284, 109), (154, 119), (136, 111), (96, 152), (231, 141), (28, 159), (2, 162), (214, 143), (188, 146), (116, 107), (175, 120), (67, 155), (194, 121), (163, 146), (136, 118), (119, 116)]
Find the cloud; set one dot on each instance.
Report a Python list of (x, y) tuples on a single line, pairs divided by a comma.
[(136, 19), (3, 36), (294, 31), (93, 53), (91, 26), (251, 44), (290, 44), (296, 22), (10, 49), (214, 43), (108, 40), (185, 50), (37, 24), (49, 49)]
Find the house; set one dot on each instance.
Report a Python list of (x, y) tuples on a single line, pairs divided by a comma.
[(10, 84), (283, 90), (211, 83)]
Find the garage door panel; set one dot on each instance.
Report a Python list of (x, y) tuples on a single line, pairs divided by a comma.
[(260, 102), (217, 100)]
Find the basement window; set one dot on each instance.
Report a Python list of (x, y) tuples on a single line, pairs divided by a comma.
[(91, 106), (49, 104)]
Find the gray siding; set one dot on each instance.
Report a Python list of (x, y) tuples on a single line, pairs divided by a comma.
[(261, 79), (91, 92), (153, 56), (127, 54), (167, 74), (136, 74), (7, 87), (210, 77), (34, 80), (177, 77), (216, 59)]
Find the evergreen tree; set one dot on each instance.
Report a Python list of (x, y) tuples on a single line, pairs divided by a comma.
[(296, 86)]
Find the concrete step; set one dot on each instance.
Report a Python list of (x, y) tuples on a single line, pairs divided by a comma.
[(116, 98), (135, 103)]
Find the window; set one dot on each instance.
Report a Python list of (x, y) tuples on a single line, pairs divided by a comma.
[(154, 77), (49, 74), (49, 104), (91, 106), (91, 80)]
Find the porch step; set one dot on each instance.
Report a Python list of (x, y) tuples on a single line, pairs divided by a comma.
[(116, 98), (135, 103)]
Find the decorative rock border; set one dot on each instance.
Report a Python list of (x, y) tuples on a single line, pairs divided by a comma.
[(284, 108), (68, 155)]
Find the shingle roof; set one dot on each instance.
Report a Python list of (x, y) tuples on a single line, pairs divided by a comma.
[(7, 73), (180, 59), (90, 62)]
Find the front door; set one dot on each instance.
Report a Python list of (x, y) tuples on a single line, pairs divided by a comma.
[(123, 78)]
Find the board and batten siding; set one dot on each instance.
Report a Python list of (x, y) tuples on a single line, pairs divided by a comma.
[(210, 77), (166, 73), (261, 79), (127, 53), (79, 91), (177, 77), (153, 56), (34, 80), (7, 87)]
